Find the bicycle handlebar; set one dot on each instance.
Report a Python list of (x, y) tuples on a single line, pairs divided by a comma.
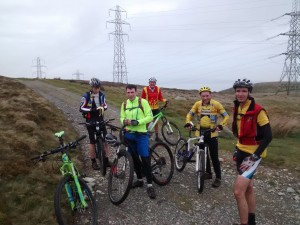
[(194, 128), (164, 106), (94, 123), (70, 145)]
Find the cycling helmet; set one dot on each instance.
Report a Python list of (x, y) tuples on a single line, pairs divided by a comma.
[(243, 84), (152, 79), (111, 139), (95, 82), (204, 89)]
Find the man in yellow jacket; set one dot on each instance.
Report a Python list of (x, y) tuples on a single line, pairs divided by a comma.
[(207, 111)]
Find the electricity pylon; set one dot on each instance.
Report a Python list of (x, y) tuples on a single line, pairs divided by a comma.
[(291, 70), (39, 73), (119, 64), (77, 74)]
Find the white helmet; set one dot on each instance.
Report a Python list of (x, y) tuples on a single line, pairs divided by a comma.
[(95, 82), (152, 79)]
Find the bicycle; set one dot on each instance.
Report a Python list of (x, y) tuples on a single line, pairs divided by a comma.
[(100, 142), (184, 153), (72, 194), (121, 171), (161, 160), (169, 130)]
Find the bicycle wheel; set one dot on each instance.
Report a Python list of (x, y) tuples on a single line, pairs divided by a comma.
[(180, 156), (170, 132), (101, 156), (162, 163), (120, 177), (201, 171), (76, 214)]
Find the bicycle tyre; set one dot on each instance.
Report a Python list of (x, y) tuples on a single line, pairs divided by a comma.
[(170, 138), (180, 156), (120, 177), (162, 163), (64, 214), (101, 156), (201, 171)]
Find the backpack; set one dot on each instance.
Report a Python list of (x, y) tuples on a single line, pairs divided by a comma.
[(140, 104)]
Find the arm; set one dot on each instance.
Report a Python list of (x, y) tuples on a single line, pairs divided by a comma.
[(144, 95), (83, 105), (267, 138), (191, 113), (160, 96), (224, 115), (104, 102), (122, 114), (148, 117)]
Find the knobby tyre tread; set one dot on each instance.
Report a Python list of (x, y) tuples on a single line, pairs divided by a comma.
[(64, 214), (101, 156), (120, 177), (173, 138), (180, 159), (162, 163), (201, 172)]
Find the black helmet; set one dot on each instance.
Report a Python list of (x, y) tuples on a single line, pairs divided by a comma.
[(243, 84), (95, 82)]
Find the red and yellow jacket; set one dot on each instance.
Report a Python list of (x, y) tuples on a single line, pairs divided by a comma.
[(153, 97)]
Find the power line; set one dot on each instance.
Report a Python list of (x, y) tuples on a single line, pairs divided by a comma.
[(39, 64)]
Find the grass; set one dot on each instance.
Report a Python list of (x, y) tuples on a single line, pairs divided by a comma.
[(27, 123)]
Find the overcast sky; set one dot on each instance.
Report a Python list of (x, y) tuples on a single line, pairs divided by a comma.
[(183, 43)]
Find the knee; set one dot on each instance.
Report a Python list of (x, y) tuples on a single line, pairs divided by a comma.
[(238, 193)]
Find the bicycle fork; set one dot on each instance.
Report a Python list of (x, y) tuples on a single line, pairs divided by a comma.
[(197, 158)]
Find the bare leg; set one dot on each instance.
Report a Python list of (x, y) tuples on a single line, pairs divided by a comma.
[(92, 151), (240, 188)]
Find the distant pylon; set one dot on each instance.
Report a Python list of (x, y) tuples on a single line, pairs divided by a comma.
[(291, 71), (119, 64), (77, 74), (39, 73)]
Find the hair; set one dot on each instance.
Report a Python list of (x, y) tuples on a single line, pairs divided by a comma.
[(131, 86)]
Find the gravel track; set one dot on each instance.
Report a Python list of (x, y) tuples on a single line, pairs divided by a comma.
[(278, 191)]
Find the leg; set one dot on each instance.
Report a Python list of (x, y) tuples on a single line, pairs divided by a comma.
[(92, 152), (251, 200), (213, 150), (240, 188)]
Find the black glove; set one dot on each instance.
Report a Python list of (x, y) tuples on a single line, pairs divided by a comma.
[(234, 156), (220, 127), (187, 125), (134, 122)]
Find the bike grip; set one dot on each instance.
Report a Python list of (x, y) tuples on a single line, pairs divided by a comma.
[(81, 138)]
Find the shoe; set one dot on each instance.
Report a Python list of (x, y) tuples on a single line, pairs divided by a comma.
[(138, 183), (216, 183), (157, 139), (95, 166), (207, 176), (151, 192)]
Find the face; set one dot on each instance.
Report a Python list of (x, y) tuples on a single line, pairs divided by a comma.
[(95, 90), (152, 84), (242, 94), (205, 97), (131, 93)]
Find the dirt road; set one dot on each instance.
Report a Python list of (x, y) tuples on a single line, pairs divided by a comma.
[(278, 192)]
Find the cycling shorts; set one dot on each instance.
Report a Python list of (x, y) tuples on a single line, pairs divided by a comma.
[(240, 156)]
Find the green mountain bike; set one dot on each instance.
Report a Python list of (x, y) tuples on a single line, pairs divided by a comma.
[(169, 130), (72, 196)]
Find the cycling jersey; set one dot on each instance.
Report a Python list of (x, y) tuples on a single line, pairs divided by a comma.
[(247, 126), (153, 96), (207, 115), (134, 112), (90, 101)]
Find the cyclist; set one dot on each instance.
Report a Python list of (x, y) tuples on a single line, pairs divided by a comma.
[(135, 114), (252, 128), (207, 111), (153, 95), (92, 106)]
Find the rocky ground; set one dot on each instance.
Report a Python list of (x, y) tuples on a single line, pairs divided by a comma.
[(278, 191)]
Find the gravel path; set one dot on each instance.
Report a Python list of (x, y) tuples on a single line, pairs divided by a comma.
[(278, 191)]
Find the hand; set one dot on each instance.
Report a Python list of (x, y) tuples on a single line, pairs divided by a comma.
[(234, 156), (188, 125), (248, 162), (134, 122), (219, 127), (101, 111)]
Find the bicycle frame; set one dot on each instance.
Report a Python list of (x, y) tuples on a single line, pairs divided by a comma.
[(156, 118), (68, 168)]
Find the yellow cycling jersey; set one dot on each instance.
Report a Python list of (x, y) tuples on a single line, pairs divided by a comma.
[(262, 119), (207, 115)]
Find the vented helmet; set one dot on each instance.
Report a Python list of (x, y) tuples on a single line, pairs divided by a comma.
[(152, 79), (95, 82), (204, 89), (243, 84)]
